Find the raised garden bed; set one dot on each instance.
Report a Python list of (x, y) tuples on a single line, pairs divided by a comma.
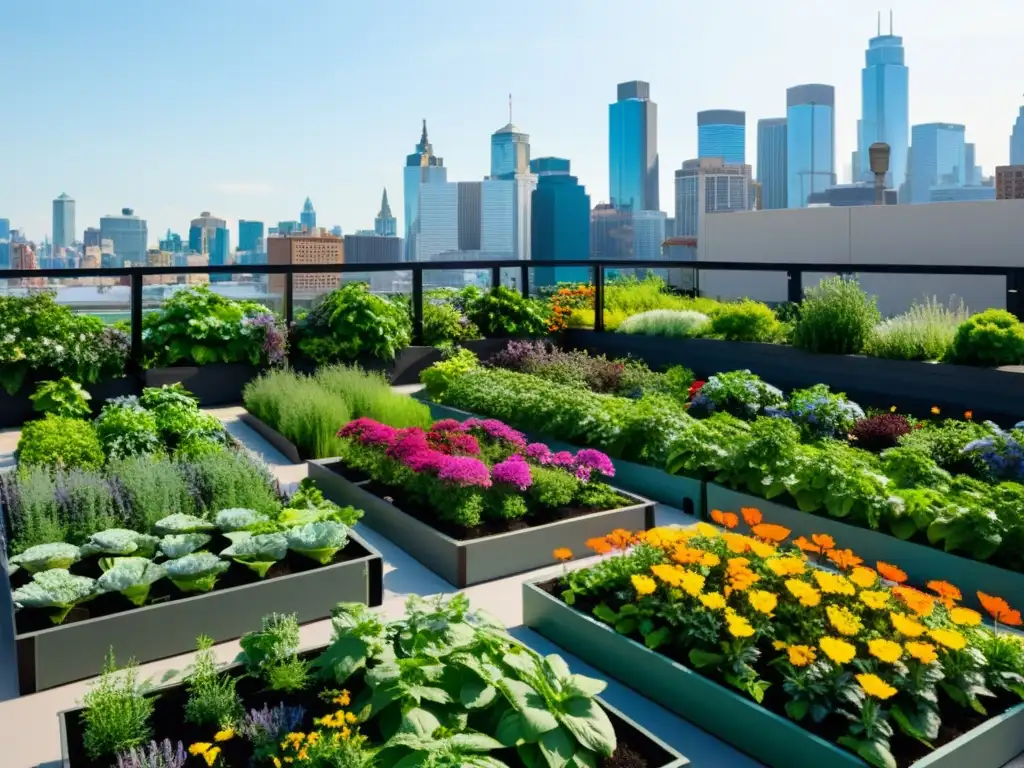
[(282, 444), (213, 384), (57, 655), (920, 562), (915, 387), (466, 561), (16, 409), (768, 737)]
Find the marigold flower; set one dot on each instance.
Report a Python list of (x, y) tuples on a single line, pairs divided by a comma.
[(863, 577), (710, 559), (804, 592), (935, 410), (804, 545), (277, 762), (892, 409), (762, 601), (785, 566), (844, 622), (874, 599), (685, 555), (211, 755), (844, 559), (343, 699), (644, 585), (762, 549), (691, 583), (725, 519), (891, 572), (885, 650), (738, 626), (751, 515), (875, 686), (771, 532), (780, 645), (906, 625), (947, 592), (704, 529), (600, 545), (949, 638), (224, 735), (562, 554), (968, 415), (840, 651), (918, 602), (801, 655), (713, 600), (965, 617), (736, 542), (834, 583), (620, 539), (670, 574), (923, 652), (999, 610), (199, 748)]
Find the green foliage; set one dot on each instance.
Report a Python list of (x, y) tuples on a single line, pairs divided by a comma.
[(125, 429), (944, 442), (741, 393), (444, 323), (504, 312), (178, 417), (925, 332), (745, 321), (271, 653), (438, 377), (552, 487), (60, 441), (212, 698), (836, 317), (370, 394), (991, 338), (63, 397), (350, 324), (673, 323), (117, 711)]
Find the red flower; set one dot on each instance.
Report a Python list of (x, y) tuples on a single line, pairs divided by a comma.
[(695, 388)]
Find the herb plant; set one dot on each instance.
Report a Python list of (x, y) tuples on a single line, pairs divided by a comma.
[(117, 711), (350, 324), (212, 698), (59, 441), (836, 317), (504, 312), (63, 397)]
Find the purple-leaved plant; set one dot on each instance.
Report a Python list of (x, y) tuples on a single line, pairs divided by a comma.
[(270, 724)]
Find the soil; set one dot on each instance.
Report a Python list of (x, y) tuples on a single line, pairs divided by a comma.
[(34, 619), (635, 750), (956, 721)]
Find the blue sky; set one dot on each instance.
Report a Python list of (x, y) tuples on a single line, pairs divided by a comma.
[(244, 107)]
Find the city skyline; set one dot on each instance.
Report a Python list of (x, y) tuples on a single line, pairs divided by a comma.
[(181, 161)]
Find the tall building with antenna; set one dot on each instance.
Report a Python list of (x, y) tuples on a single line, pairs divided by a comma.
[(385, 225), (885, 106), (421, 167), (510, 150)]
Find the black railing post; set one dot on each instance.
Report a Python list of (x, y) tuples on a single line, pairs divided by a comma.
[(794, 285), (495, 277), (1015, 292), (417, 305), (135, 313), (524, 278), (599, 297), (288, 300)]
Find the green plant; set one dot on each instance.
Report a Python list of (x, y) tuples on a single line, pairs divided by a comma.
[(178, 417), (125, 429), (370, 394), (741, 393), (60, 441), (350, 323), (63, 397), (836, 317), (152, 487), (991, 338), (925, 332), (745, 321), (444, 323), (56, 588), (131, 577), (271, 653), (117, 711), (196, 572), (504, 312), (212, 698), (944, 443), (674, 323), (438, 377)]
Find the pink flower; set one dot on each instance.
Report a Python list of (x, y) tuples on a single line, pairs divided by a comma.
[(513, 471), (368, 431), (496, 430), (424, 461), (407, 442), (590, 459), (538, 452), (562, 459), (464, 471)]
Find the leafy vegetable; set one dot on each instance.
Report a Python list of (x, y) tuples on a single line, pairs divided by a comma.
[(120, 541), (239, 519), (182, 523), (56, 588), (43, 557), (181, 544), (64, 397), (196, 572), (132, 577), (258, 552), (319, 541)]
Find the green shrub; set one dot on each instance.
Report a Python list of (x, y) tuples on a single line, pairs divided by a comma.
[(438, 377), (63, 397), (350, 324), (444, 324), (991, 338), (370, 394), (504, 312), (944, 443), (674, 323), (60, 441), (745, 321), (925, 332), (117, 711), (836, 317), (125, 428)]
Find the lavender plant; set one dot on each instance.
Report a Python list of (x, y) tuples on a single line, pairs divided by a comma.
[(156, 755), (1001, 452), (266, 727)]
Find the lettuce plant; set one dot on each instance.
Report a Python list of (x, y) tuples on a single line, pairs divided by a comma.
[(178, 545), (229, 520), (120, 541), (258, 552), (132, 577), (182, 523), (56, 588), (196, 572), (318, 541), (44, 557)]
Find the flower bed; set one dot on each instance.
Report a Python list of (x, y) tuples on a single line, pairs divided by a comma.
[(746, 638), (443, 686), (473, 500)]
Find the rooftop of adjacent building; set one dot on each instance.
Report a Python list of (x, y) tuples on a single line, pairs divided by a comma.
[(770, 121), (634, 89)]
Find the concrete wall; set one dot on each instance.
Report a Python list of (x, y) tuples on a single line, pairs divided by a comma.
[(987, 233)]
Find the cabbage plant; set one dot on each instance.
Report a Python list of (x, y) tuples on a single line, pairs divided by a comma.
[(238, 519), (181, 523), (196, 572), (257, 552), (120, 541), (180, 544), (318, 541), (56, 588), (132, 577), (43, 557)]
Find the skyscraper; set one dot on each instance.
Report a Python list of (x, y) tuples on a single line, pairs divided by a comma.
[(127, 234), (63, 222), (250, 236), (510, 152), (468, 219), (707, 185), (5, 229), (973, 171), (1017, 140), (561, 222), (771, 162), (385, 225), (810, 141), (633, 148), (421, 167), (722, 133), (940, 159), (308, 216), (885, 107), (208, 236)]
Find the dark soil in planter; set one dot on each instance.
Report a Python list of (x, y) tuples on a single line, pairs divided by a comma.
[(237, 575), (956, 721), (168, 722)]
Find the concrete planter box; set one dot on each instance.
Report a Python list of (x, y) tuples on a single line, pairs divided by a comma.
[(214, 384), (463, 563), (677, 491), (282, 444), (912, 386), (736, 719), (920, 562), (66, 653), (16, 409)]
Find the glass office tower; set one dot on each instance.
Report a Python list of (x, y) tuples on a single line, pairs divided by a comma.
[(421, 167), (561, 222), (940, 159), (633, 148), (885, 108), (722, 133), (771, 162), (1017, 140), (810, 141)]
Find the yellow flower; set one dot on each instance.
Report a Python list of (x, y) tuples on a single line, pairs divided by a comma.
[(875, 686), (351, 718), (779, 645), (804, 592), (225, 735), (706, 529), (199, 748), (277, 762), (785, 566), (965, 617), (644, 585), (906, 625), (885, 650), (838, 650), (761, 601), (692, 583), (923, 652), (845, 623), (801, 655), (863, 577), (874, 599), (834, 584), (710, 559), (739, 626), (669, 574), (949, 638), (211, 755), (713, 600), (762, 549), (935, 410)]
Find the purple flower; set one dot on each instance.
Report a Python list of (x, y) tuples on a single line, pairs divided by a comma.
[(513, 471), (538, 452), (464, 471), (262, 725), (368, 431), (157, 755), (496, 430), (562, 459), (590, 459), (427, 460), (275, 341)]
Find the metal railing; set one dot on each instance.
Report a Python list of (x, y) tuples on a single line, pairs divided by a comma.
[(1014, 277)]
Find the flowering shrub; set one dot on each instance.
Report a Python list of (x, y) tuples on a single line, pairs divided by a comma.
[(850, 648), (741, 393), (564, 301), (819, 413), (471, 471)]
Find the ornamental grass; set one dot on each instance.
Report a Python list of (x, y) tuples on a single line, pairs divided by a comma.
[(846, 647)]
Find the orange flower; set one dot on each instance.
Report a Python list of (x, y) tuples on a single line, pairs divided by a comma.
[(687, 555), (968, 415), (600, 545), (999, 610), (619, 539), (805, 546), (918, 602), (725, 519), (947, 593), (562, 554), (891, 572), (771, 532), (823, 540), (935, 410), (844, 558), (751, 515)]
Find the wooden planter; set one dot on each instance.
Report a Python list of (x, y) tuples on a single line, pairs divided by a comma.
[(920, 562), (214, 384), (736, 719), (463, 563), (65, 653)]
